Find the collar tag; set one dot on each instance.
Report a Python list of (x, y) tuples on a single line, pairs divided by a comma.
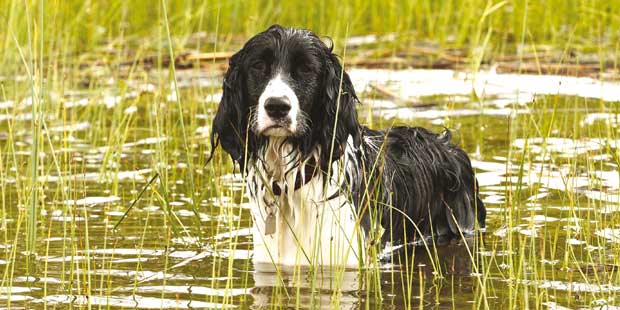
[(270, 224)]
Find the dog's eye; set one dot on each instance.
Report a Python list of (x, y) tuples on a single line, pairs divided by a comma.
[(304, 69), (259, 65)]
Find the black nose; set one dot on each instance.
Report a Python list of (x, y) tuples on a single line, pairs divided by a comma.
[(277, 107)]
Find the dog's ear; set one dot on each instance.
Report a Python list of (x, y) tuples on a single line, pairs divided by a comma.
[(229, 126), (338, 108), (275, 27)]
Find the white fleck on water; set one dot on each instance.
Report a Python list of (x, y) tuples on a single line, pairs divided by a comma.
[(92, 200)]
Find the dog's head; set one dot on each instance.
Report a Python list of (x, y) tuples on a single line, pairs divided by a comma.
[(286, 83)]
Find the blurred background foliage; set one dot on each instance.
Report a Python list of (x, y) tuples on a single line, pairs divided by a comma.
[(500, 27)]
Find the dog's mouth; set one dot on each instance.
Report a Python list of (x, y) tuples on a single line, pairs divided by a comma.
[(277, 130)]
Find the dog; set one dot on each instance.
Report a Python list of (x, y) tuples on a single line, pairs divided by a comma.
[(325, 190)]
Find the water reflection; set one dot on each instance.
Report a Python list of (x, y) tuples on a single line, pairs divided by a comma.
[(413, 269), (288, 287)]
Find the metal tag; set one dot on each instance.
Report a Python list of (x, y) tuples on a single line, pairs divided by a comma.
[(270, 224)]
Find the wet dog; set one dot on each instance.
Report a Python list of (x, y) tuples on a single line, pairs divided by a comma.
[(323, 188)]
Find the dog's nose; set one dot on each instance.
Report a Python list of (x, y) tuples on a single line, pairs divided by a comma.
[(277, 107)]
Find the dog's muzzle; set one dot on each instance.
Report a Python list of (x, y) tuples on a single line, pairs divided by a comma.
[(278, 106)]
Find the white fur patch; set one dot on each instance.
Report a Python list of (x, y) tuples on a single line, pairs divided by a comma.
[(310, 230), (277, 88)]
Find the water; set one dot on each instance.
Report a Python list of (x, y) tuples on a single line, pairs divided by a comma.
[(547, 163)]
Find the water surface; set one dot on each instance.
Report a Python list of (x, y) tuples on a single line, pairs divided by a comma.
[(545, 150)]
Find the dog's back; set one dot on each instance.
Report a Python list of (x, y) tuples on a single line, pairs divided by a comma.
[(418, 184)]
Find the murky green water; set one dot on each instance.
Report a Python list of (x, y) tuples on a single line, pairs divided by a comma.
[(547, 166)]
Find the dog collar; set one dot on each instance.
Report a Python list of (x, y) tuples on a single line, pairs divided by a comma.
[(300, 179)]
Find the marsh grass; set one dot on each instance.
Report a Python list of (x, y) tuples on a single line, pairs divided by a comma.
[(58, 52), (110, 30)]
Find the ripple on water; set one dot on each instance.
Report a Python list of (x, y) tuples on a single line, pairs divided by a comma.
[(187, 289), (613, 235), (94, 200), (4, 290), (133, 301), (610, 197), (142, 276), (573, 286), (135, 175), (522, 87)]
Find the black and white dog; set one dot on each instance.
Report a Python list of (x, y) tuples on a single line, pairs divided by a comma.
[(324, 189)]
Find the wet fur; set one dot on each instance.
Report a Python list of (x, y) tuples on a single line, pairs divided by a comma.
[(412, 182)]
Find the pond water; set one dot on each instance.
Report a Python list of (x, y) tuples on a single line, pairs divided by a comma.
[(545, 150)]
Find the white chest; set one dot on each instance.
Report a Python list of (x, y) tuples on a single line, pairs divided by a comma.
[(308, 229)]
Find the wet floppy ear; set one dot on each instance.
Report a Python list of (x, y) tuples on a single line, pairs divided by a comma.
[(340, 104), (229, 124)]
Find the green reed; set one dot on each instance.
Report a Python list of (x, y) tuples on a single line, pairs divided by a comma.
[(508, 27), (59, 44)]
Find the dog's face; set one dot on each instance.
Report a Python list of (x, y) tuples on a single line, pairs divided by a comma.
[(283, 68), (284, 82)]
